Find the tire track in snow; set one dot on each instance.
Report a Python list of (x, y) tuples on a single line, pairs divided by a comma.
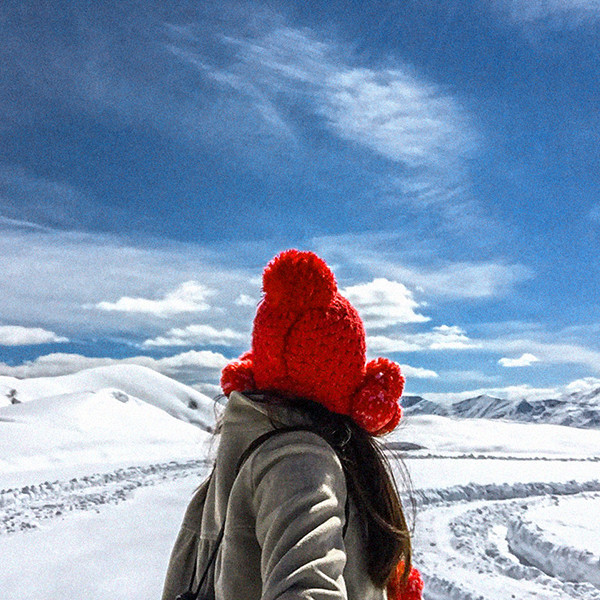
[(463, 557), (24, 508)]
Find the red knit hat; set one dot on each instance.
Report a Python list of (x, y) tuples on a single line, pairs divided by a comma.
[(309, 341)]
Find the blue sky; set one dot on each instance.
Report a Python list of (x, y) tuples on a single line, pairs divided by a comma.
[(442, 157)]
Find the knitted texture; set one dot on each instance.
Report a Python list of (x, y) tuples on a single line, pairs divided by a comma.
[(309, 341)]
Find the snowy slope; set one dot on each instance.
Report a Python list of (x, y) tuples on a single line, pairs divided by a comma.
[(134, 380), (91, 427)]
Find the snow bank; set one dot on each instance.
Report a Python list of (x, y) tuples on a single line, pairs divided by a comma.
[(504, 491), (563, 540)]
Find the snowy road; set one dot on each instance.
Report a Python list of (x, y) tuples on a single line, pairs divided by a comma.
[(25, 507), (461, 535)]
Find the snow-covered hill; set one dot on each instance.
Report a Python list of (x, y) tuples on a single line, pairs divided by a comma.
[(123, 414), (575, 409), (177, 399)]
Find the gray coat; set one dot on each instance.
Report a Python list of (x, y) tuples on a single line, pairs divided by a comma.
[(285, 514)]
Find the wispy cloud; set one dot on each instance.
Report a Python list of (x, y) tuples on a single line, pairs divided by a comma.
[(548, 352), (400, 117), (486, 279), (469, 376), (382, 302), (191, 367), (390, 111), (585, 385), (14, 335), (189, 297), (525, 360), (551, 13), (595, 213), (31, 202), (511, 392), (54, 276), (401, 258), (245, 300), (198, 335), (442, 337)]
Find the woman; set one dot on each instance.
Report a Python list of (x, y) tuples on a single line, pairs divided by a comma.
[(310, 512)]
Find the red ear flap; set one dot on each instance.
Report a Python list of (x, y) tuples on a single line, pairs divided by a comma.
[(375, 403), (238, 376), (412, 590)]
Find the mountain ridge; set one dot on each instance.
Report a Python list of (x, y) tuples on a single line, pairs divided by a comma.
[(574, 409)]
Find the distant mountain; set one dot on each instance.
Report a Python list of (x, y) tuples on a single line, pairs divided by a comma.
[(577, 409)]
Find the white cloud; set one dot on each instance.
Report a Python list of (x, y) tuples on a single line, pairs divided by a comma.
[(190, 296), (385, 344), (595, 213), (54, 281), (245, 300), (442, 337), (549, 352), (388, 110), (585, 385), (14, 335), (518, 392), (188, 366), (193, 335), (525, 360), (447, 337), (465, 279), (22, 224), (418, 372), (382, 302), (469, 376)]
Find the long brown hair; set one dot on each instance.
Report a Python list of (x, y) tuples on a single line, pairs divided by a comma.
[(369, 478)]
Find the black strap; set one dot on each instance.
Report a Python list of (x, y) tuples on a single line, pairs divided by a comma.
[(261, 439)]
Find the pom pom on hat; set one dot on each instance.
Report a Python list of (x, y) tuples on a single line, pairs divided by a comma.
[(298, 280), (238, 375), (411, 590), (375, 405)]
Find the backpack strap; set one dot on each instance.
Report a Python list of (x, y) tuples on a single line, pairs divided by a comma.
[(254, 445)]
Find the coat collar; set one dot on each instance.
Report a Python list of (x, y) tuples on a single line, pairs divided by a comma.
[(243, 410)]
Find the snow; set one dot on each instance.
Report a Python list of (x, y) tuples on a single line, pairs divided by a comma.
[(441, 434), (96, 470), (133, 380), (562, 539), (107, 552), (105, 426)]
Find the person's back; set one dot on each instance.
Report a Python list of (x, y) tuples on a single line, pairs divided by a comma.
[(313, 512)]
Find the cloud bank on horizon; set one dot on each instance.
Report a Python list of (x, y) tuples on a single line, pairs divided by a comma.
[(444, 162)]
